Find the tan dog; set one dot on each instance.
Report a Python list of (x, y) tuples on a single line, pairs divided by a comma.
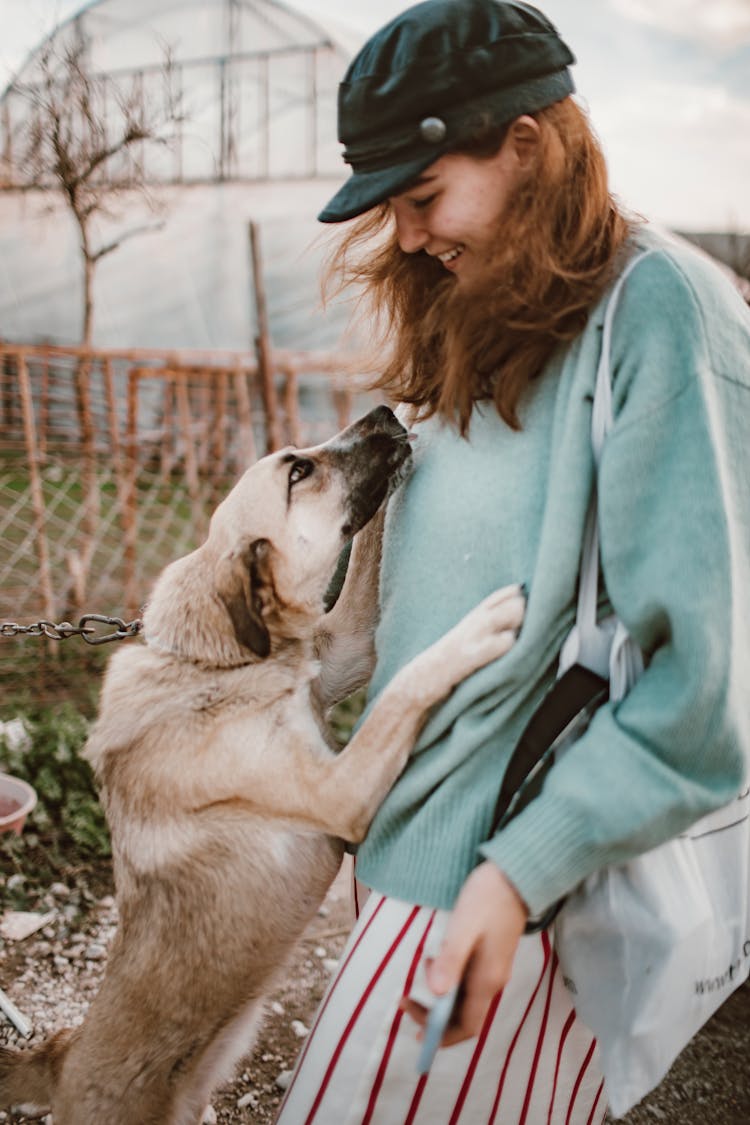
[(225, 803)]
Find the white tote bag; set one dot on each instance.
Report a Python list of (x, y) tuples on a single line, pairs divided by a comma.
[(652, 948)]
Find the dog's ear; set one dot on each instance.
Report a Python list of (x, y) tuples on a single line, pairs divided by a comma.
[(246, 589)]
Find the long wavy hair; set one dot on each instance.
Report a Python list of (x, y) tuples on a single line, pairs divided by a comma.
[(447, 347)]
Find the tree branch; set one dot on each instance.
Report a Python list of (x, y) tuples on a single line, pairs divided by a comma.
[(146, 228)]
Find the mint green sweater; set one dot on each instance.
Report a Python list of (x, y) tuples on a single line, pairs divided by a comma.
[(503, 507)]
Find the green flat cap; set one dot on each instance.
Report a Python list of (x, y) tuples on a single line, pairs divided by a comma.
[(422, 82)]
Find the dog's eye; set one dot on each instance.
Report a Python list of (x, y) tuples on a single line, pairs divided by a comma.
[(299, 470)]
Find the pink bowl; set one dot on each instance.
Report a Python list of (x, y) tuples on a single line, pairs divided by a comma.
[(17, 799)]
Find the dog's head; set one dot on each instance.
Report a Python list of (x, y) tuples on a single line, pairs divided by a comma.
[(273, 543)]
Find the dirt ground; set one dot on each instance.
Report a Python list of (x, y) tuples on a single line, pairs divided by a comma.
[(52, 975)]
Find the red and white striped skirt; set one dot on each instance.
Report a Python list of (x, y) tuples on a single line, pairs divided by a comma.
[(534, 1062)]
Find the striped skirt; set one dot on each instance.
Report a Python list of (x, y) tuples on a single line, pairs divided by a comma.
[(534, 1062)]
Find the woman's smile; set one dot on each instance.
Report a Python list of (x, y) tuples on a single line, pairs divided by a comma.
[(453, 211), (449, 257)]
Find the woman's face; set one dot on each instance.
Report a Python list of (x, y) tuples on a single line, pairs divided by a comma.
[(453, 211)]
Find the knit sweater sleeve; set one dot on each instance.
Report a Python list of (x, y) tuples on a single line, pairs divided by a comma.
[(674, 514)]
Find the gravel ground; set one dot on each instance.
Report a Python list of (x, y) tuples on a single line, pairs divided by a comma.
[(53, 975)]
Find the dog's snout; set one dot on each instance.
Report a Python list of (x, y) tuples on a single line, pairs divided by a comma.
[(381, 420), (371, 456)]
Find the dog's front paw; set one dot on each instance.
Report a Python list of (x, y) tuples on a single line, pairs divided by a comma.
[(488, 631)]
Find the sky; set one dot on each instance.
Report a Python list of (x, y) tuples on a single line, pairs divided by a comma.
[(666, 83)]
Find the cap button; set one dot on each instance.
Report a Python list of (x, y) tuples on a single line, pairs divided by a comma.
[(432, 130)]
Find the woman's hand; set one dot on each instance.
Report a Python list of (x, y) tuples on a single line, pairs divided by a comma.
[(480, 943)]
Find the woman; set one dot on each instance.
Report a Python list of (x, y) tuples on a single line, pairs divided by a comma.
[(487, 240)]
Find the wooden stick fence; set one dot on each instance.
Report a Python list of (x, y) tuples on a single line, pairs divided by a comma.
[(142, 420), (37, 494)]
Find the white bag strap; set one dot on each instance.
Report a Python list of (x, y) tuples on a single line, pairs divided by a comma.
[(604, 647)]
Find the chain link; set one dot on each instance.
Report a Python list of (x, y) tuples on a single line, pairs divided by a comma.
[(85, 628)]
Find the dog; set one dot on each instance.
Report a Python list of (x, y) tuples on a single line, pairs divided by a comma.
[(226, 801)]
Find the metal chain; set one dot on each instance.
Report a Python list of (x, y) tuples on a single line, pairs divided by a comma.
[(84, 628)]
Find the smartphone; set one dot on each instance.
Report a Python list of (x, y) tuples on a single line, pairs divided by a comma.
[(438, 1019)]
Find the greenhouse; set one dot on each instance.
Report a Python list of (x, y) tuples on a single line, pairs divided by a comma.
[(242, 93)]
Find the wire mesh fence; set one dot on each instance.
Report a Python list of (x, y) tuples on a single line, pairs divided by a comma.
[(111, 463)]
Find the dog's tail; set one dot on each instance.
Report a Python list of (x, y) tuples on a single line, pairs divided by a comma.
[(30, 1077)]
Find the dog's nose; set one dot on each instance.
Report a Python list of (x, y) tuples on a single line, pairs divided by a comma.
[(382, 415), (383, 420), (381, 426)]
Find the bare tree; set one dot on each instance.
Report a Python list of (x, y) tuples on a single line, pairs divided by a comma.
[(88, 137)]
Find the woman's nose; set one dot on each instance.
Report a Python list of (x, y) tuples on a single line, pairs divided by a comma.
[(410, 229)]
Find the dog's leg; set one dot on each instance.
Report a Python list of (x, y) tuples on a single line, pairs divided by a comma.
[(339, 794), (365, 771), (216, 1064), (32, 1075), (344, 638)]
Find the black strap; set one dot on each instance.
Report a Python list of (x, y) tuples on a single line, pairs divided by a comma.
[(577, 693), (565, 711)]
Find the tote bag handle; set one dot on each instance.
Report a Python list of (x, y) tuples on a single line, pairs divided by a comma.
[(599, 660), (605, 647)]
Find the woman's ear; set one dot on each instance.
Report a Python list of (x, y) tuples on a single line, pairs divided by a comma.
[(523, 136)]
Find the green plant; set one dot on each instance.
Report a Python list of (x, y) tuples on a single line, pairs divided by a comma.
[(344, 716), (67, 832)]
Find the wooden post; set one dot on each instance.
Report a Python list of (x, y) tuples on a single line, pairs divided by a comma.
[(79, 561), (37, 492), (245, 416), (342, 400), (204, 431), (263, 347), (191, 464), (114, 429), (218, 448), (121, 479), (291, 405), (129, 514), (6, 394), (44, 409), (167, 455)]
